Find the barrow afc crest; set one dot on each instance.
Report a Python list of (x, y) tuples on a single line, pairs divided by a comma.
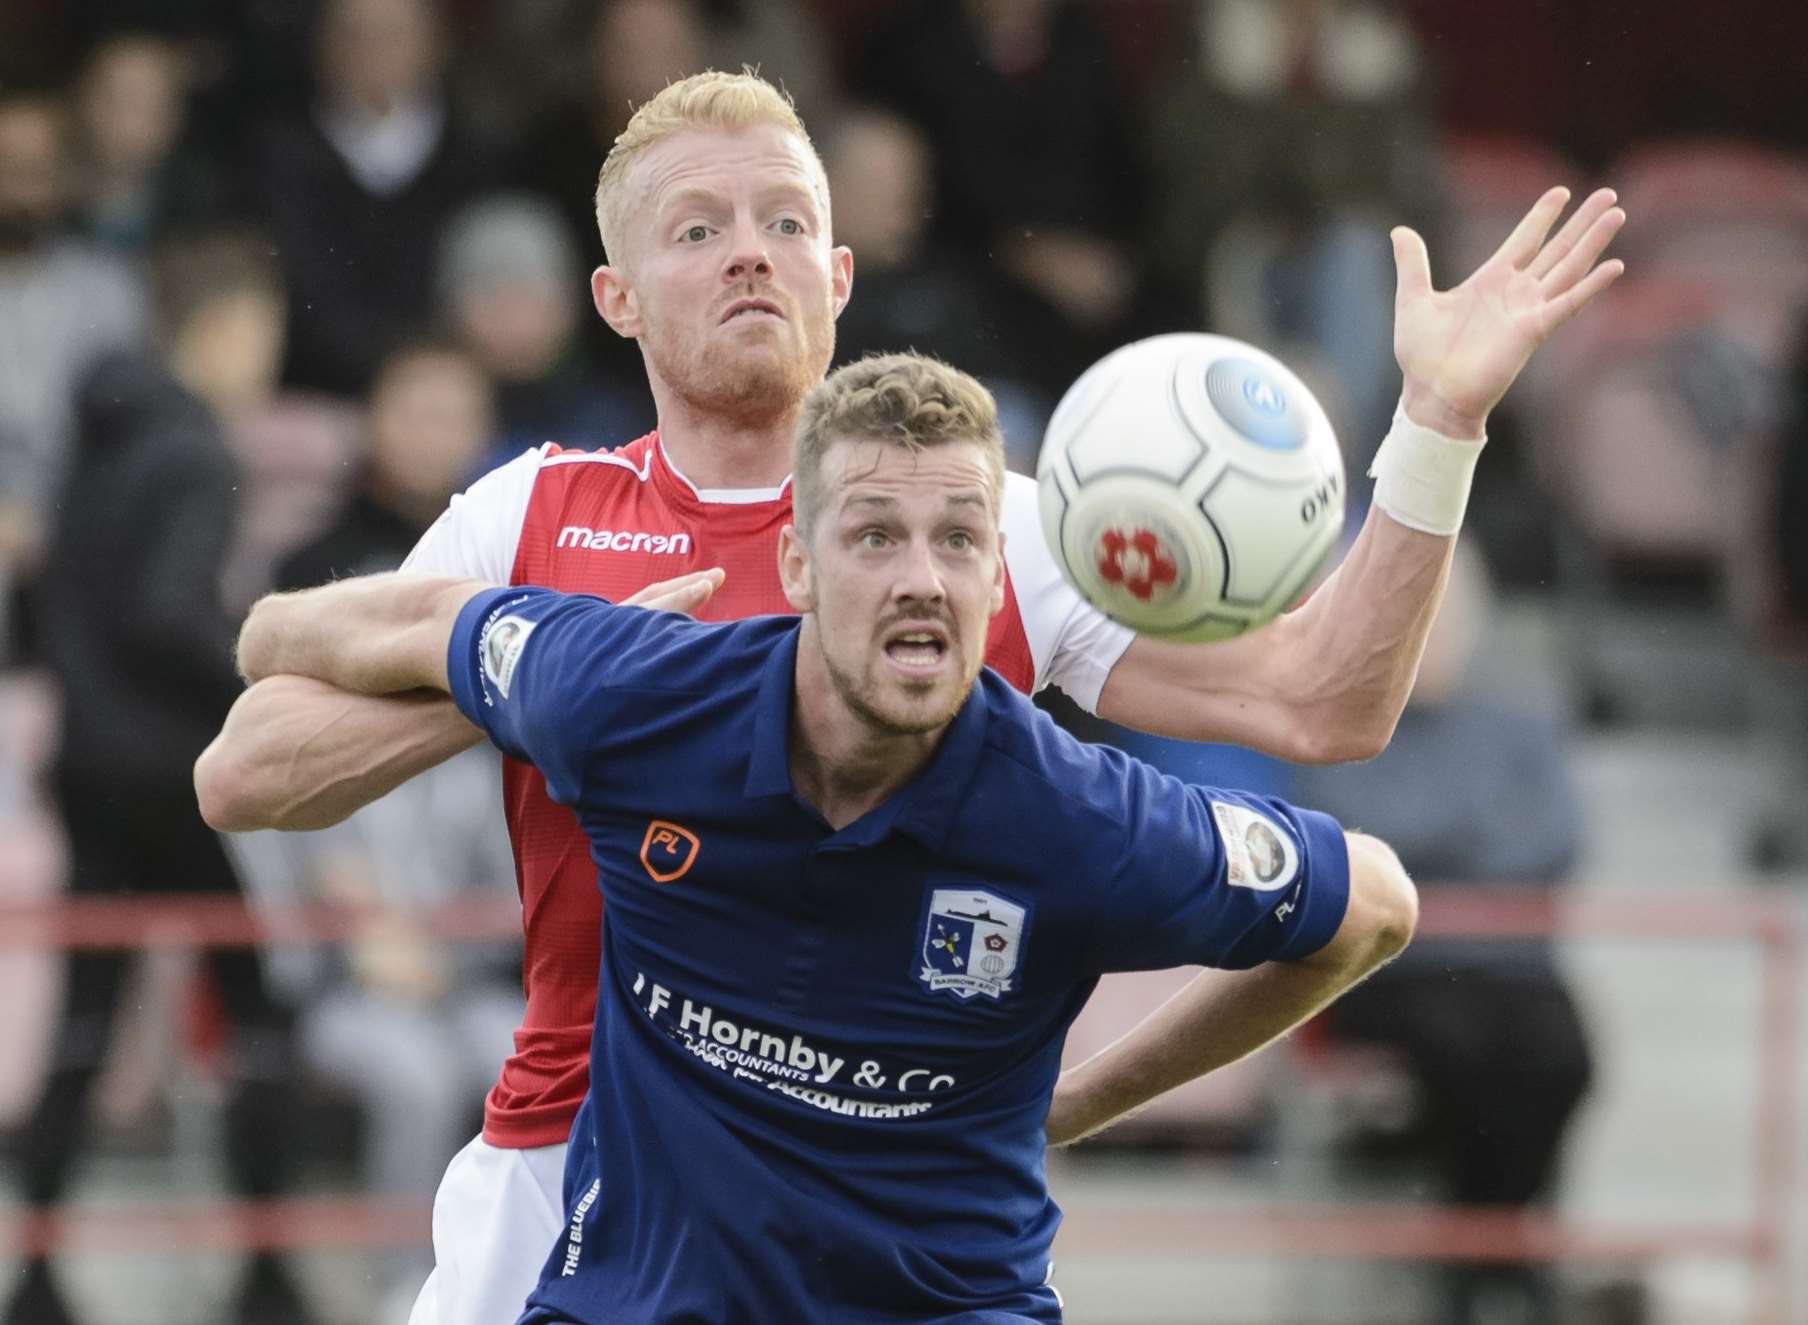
[(972, 942)]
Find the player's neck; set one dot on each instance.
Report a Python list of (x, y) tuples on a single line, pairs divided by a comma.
[(716, 452)]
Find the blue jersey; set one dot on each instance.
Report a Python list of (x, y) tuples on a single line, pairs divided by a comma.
[(823, 1058)]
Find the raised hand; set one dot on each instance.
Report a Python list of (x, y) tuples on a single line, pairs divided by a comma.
[(682, 593), (1459, 350)]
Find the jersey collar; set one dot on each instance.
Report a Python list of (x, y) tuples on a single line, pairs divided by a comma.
[(677, 479), (924, 808)]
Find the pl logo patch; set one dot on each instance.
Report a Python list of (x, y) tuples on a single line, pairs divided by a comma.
[(972, 942)]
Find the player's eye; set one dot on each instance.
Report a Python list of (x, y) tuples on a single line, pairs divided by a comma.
[(874, 539), (695, 234), (790, 225), (961, 540)]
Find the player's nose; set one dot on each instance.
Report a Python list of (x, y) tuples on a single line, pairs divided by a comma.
[(747, 255), (918, 578)]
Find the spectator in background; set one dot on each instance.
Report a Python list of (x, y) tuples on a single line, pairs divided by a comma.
[(1287, 137), (358, 188), (915, 294), (1472, 791), (1784, 518), (507, 270), (1029, 127), (62, 306), (635, 48), (133, 182), (632, 49), (413, 1026), (429, 421), (136, 637)]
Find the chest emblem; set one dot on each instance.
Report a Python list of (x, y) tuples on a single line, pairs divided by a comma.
[(972, 942), (668, 851)]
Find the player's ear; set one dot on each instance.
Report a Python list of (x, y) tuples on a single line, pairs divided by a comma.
[(997, 601), (615, 299), (794, 572), (841, 275)]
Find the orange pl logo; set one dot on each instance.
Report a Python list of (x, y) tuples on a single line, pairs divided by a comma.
[(668, 851)]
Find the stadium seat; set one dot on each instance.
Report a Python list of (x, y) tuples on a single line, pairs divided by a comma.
[(1640, 430), (1722, 213)]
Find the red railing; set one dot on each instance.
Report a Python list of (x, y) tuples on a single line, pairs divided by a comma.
[(1374, 1231)]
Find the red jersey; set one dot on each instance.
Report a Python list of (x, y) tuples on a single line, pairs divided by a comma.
[(610, 523)]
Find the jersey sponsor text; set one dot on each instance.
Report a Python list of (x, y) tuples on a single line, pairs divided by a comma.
[(606, 540)]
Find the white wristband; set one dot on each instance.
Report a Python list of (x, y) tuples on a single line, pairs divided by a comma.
[(1422, 477)]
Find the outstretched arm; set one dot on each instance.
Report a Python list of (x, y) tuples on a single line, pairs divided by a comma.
[(298, 753), (1225, 1015), (374, 635), (1327, 681)]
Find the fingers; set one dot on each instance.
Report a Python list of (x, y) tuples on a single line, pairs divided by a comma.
[(1522, 245), (1412, 268), (1572, 301), (1582, 256), (682, 593), (1593, 207)]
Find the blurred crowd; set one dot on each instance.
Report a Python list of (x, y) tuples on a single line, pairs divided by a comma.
[(277, 280)]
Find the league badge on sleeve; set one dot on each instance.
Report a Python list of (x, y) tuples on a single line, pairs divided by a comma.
[(972, 941), (1258, 852), (500, 648)]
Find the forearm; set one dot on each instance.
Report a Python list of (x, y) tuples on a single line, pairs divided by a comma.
[(296, 753), (1220, 1017), (1356, 643), (376, 635), (1323, 684)]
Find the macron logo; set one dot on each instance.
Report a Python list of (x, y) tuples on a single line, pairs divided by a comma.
[(604, 540)]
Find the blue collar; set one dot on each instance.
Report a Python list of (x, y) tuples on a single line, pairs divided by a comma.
[(924, 808)]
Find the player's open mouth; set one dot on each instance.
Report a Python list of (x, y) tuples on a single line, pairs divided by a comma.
[(917, 650), (745, 308)]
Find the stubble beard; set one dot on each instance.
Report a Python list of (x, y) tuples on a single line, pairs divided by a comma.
[(862, 696), (758, 389)]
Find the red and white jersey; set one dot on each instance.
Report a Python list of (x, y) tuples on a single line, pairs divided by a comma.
[(610, 523)]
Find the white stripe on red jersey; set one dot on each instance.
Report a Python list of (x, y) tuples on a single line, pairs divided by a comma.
[(610, 523)]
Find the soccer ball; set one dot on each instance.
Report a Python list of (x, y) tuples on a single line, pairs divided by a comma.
[(1190, 486)]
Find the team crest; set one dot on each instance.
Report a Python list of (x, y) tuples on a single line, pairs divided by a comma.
[(972, 942)]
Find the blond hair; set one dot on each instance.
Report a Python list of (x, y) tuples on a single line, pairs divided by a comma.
[(907, 400), (709, 100)]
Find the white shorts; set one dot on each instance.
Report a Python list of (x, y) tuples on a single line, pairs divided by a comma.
[(496, 1217)]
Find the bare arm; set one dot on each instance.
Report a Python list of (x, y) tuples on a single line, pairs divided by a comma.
[(297, 753), (300, 754), (1327, 682), (373, 635), (1225, 1015), (1324, 683)]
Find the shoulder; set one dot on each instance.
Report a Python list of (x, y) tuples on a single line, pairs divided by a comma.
[(1029, 756), (565, 466), (508, 489), (1065, 814), (670, 652)]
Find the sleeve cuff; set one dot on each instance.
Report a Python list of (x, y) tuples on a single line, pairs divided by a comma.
[(464, 673), (1323, 894)]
